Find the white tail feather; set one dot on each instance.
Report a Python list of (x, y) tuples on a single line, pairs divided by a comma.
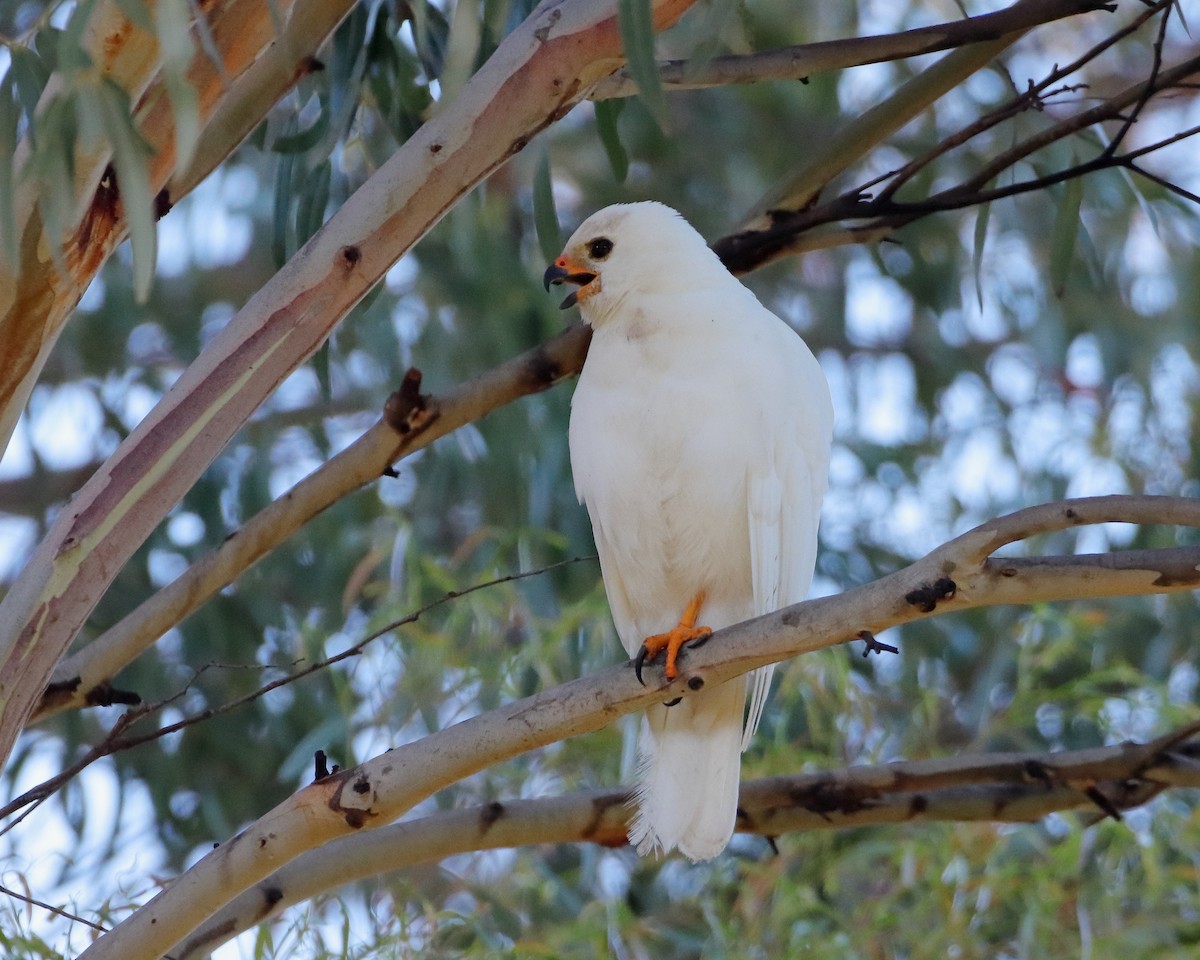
[(758, 683), (688, 769)]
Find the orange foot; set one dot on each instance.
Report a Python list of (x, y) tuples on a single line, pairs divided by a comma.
[(673, 640)]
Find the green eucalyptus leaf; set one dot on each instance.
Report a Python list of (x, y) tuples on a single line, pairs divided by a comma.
[(1065, 234), (607, 112), (71, 55), (431, 34), (173, 29), (320, 363), (980, 238), (278, 20), (208, 42), (8, 145), (637, 34), (341, 82), (545, 218), (131, 156), (46, 43), (1135, 184), (138, 13), (306, 139), (314, 197), (52, 165), (282, 208), (30, 73)]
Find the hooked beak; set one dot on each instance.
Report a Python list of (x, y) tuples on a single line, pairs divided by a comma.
[(563, 271)]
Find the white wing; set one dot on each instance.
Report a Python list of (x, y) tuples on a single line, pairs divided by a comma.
[(784, 489)]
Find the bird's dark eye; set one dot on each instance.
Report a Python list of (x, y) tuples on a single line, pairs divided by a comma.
[(599, 248)]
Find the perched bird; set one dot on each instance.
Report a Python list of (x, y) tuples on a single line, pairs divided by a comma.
[(700, 437)]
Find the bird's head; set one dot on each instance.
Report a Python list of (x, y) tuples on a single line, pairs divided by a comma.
[(631, 248)]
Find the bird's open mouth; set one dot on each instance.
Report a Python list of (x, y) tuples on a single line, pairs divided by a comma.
[(556, 275)]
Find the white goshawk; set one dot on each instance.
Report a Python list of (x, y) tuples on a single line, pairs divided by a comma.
[(700, 438)]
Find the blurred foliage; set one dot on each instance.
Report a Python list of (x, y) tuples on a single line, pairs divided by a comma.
[(979, 363)]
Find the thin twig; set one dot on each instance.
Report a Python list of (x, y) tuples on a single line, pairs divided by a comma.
[(800, 62), (1031, 98), (116, 740), (1155, 67), (57, 911), (749, 249)]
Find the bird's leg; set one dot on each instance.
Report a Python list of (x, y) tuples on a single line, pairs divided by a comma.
[(674, 639)]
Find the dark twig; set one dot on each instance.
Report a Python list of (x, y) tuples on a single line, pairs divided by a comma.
[(744, 251), (874, 645), (1164, 183), (57, 911), (1034, 97), (1155, 68)]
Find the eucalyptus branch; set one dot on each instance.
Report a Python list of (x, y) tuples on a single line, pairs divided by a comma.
[(960, 575), (989, 787), (804, 60)]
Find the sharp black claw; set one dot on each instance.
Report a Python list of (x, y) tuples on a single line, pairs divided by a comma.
[(638, 662)]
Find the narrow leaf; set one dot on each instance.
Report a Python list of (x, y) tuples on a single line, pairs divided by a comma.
[(52, 166), (46, 42), (1065, 234), (208, 41), (637, 35), (1135, 185), (607, 112), (307, 138), (545, 219), (29, 73), (138, 13), (71, 54), (320, 362), (130, 156), (172, 26), (981, 228), (431, 33), (281, 215), (310, 211), (8, 145), (1182, 19)]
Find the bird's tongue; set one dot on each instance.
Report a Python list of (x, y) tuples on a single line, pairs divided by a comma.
[(581, 279)]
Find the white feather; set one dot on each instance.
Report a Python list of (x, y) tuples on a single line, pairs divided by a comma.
[(700, 434)]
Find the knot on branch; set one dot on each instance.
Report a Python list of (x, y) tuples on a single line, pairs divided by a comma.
[(408, 410), (927, 596), (321, 768), (104, 694), (828, 796)]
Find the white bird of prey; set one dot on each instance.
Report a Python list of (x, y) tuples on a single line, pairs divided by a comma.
[(700, 438)]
